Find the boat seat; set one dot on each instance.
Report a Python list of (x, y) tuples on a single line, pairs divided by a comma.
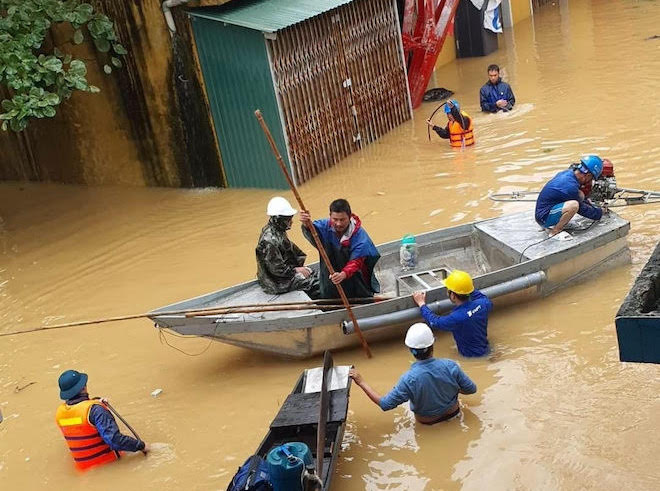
[(421, 280), (303, 409)]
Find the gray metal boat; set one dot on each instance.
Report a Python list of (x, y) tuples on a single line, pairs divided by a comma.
[(510, 258)]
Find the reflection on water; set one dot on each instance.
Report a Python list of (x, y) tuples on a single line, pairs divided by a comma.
[(554, 410)]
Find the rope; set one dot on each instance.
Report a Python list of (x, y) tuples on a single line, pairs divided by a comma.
[(163, 340)]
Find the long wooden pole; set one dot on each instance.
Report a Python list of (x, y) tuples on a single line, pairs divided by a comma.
[(312, 229), (324, 404), (308, 304)]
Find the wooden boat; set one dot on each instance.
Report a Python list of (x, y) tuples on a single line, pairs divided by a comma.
[(638, 319), (510, 258), (314, 412)]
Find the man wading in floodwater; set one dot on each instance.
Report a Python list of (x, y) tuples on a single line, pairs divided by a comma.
[(431, 385), (468, 321), (459, 130), (88, 426)]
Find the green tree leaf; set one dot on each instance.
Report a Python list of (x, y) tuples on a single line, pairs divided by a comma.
[(53, 64), (102, 44), (41, 76)]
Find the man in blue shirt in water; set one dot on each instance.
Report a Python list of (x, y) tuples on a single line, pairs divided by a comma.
[(561, 198), (431, 385), (496, 95), (468, 321)]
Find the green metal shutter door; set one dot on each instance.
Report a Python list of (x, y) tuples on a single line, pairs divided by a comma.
[(238, 81)]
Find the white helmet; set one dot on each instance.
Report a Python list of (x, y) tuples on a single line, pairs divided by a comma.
[(278, 206), (419, 336)]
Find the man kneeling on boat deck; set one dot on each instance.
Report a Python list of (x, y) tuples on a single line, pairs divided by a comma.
[(468, 321), (88, 426), (561, 197), (279, 261), (351, 251), (431, 385)]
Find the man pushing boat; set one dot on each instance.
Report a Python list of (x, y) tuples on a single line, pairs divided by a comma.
[(431, 385), (350, 249)]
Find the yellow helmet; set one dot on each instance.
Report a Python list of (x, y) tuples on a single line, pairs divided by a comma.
[(459, 282)]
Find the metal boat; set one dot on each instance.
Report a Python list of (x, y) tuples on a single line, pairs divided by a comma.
[(510, 258)]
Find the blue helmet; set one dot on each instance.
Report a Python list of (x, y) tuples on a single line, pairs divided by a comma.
[(593, 164), (454, 102)]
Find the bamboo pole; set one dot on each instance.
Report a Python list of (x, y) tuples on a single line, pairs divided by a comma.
[(312, 229), (274, 308)]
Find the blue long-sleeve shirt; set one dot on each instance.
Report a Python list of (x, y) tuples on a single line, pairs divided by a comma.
[(490, 94), (107, 427), (432, 387), (467, 322), (561, 188)]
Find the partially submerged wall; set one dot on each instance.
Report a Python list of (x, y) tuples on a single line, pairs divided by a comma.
[(149, 125)]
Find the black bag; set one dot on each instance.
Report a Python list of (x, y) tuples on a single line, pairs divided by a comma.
[(251, 476)]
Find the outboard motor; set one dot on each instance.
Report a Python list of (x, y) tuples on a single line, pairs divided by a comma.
[(287, 466), (604, 187)]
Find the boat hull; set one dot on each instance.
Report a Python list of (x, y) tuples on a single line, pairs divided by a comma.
[(638, 319), (511, 246)]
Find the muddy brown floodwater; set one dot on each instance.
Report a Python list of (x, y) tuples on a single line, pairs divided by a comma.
[(555, 408)]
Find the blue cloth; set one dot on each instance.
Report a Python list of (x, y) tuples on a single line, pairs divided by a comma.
[(561, 188), (432, 387), (362, 284), (361, 244), (554, 216), (467, 322), (107, 427), (490, 94)]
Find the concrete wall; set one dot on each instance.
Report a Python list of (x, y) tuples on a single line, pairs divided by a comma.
[(520, 10), (149, 125)]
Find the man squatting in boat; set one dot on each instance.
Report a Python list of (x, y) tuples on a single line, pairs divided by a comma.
[(431, 385), (468, 321), (280, 262), (561, 197), (351, 251)]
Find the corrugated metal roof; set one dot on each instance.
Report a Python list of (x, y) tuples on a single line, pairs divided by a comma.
[(267, 15)]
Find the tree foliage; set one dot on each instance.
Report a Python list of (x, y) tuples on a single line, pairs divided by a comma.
[(39, 78)]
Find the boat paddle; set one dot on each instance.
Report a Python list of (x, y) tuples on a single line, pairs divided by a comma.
[(312, 229)]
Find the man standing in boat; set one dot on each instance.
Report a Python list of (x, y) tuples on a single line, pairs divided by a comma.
[(561, 197), (352, 253), (459, 130), (431, 385), (468, 321), (280, 262), (88, 426)]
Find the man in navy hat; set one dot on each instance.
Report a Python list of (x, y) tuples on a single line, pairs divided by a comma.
[(88, 426)]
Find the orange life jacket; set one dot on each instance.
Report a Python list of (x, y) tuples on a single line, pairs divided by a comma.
[(85, 443), (458, 137)]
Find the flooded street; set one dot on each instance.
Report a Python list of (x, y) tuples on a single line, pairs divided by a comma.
[(555, 409)]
